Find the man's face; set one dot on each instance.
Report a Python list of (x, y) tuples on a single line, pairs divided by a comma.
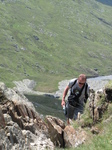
[(81, 81)]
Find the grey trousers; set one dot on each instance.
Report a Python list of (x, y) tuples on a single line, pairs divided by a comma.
[(72, 112)]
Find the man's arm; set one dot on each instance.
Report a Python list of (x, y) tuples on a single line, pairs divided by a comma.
[(64, 95)]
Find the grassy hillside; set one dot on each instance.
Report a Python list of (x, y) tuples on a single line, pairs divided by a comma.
[(52, 40)]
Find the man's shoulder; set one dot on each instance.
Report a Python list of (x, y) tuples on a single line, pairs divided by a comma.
[(73, 80)]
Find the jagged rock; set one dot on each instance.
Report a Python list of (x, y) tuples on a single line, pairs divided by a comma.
[(95, 130), (7, 118), (97, 104), (10, 134), (63, 136), (4, 141), (73, 138), (16, 115), (24, 116), (15, 136), (2, 120), (69, 136), (38, 141), (55, 128), (29, 140), (13, 95)]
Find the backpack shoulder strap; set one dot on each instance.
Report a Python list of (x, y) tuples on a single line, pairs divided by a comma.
[(72, 86), (86, 95), (74, 83)]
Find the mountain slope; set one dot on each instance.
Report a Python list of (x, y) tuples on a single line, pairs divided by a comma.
[(48, 41)]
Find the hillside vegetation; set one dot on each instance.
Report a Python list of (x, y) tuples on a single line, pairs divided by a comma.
[(52, 40)]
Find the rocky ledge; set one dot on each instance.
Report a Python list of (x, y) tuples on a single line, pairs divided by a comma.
[(21, 127)]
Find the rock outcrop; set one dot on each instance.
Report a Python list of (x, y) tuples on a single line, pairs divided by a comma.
[(56, 130), (74, 138), (98, 104), (64, 136), (21, 127)]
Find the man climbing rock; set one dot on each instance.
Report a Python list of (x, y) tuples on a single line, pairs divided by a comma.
[(79, 92)]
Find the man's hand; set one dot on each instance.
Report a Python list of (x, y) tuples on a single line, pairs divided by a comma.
[(63, 102), (64, 95)]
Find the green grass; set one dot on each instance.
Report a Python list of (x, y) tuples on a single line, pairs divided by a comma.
[(57, 39), (102, 141)]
